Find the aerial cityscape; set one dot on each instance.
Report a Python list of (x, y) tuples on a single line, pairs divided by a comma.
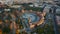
[(29, 16)]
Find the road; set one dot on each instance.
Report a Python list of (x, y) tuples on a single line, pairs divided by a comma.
[(55, 22), (52, 16)]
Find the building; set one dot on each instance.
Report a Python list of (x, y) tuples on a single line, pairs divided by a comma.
[(26, 1)]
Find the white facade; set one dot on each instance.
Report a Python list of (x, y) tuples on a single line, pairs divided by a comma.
[(24, 1), (7, 1)]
